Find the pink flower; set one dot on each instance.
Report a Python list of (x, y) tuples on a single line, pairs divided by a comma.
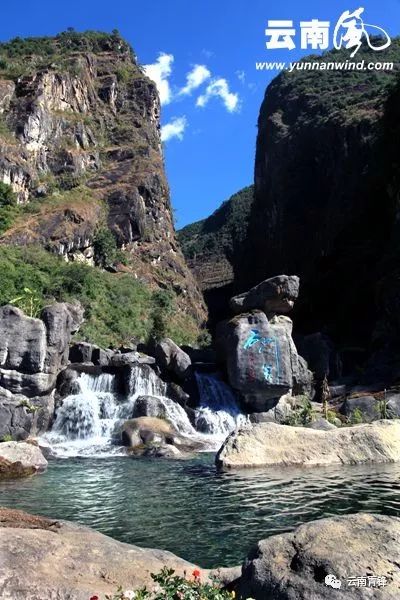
[(196, 574)]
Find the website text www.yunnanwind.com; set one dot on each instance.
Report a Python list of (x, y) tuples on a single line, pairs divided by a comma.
[(325, 66)]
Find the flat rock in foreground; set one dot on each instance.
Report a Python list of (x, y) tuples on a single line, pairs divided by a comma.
[(267, 444), (47, 559), (293, 566)]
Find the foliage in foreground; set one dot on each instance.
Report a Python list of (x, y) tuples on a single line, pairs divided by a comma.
[(118, 308), (174, 587)]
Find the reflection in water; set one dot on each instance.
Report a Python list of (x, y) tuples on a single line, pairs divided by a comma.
[(188, 508)]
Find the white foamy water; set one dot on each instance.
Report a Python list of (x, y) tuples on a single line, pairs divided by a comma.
[(87, 423), (218, 413)]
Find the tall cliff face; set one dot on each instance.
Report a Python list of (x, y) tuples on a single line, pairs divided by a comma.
[(211, 247), (80, 147), (325, 206)]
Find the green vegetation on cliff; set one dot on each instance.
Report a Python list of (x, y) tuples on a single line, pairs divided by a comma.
[(222, 231), (118, 308), (80, 146), (19, 55)]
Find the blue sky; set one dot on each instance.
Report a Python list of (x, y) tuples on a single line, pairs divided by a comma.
[(214, 157)]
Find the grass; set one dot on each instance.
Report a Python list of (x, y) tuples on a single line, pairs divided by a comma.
[(118, 308)]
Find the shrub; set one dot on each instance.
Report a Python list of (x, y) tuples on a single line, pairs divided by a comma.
[(105, 247), (7, 438), (162, 307), (118, 307), (357, 417), (174, 587), (7, 196)]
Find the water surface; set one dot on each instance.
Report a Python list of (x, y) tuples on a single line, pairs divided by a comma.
[(188, 508)]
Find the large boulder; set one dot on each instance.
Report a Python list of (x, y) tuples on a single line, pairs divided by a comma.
[(364, 409), (171, 358), (32, 353), (156, 436), (293, 566), (274, 295), (81, 352), (267, 444), (149, 406), (261, 359), (20, 459), (44, 558)]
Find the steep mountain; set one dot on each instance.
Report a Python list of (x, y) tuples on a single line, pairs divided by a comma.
[(82, 170), (210, 247), (326, 197)]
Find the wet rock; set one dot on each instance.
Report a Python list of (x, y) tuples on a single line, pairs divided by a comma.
[(131, 358), (136, 432), (32, 353), (149, 406), (67, 382), (274, 295), (170, 357), (268, 444), (100, 357), (81, 352), (293, 566)]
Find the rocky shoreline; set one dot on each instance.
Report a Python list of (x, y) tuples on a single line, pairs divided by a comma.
[(44, 558)]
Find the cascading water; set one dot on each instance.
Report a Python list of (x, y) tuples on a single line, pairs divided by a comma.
[(145, 382), (85, 422), (218, 413)]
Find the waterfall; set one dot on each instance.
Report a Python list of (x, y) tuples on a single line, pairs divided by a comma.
[(218, 413), (85, 421), (145, 382)]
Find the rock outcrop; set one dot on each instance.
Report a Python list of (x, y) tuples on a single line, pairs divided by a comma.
[(276, 295), (326, 200), (43, 558), (155, 436), (261, 359), (20, 459), (210, 248), (80, 137), (293, 566), (170, 357), (267, 444), (32, 353)]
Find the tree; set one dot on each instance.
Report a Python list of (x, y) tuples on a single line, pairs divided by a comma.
[(7, 196)]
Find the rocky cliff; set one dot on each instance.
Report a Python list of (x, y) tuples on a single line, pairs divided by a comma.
[(326, 203), (211, 247), (80, 148)]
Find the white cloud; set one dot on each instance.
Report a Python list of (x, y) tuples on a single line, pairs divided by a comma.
[(198, 75), (159, 72), (207, 53), (241, 75), (175, 128), (220, 88)]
